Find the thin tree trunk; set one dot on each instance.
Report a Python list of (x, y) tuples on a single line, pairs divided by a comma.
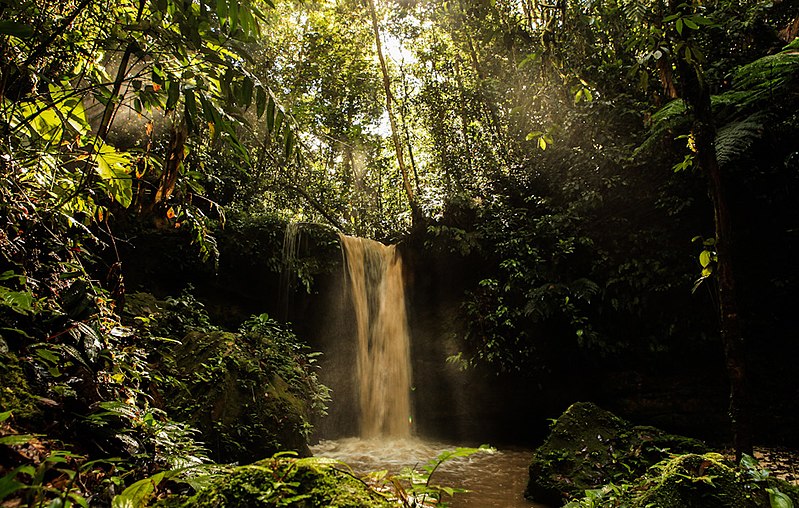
[(406, 130), (122, 71), (390, 110), (696, 94)]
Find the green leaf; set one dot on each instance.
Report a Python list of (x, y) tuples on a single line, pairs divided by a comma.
[(9, 274), (113, 168), (779, 500), (191, 109), (679, 26), (289, 147), (221, 9), (260, 102), (138, 495), (173, 94), (246, 92), (47, 355), (20, 30), (20, 302), (16, 439), (5, 415), (8, 485), (690, 24), (279, 116), (270, 115)]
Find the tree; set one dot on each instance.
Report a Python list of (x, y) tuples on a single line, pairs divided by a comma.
[(695, 91), (395, 135)]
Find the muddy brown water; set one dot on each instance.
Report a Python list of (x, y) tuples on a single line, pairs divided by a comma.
[(495, 480)]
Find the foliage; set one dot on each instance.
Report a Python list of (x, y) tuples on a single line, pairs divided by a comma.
[(694, 481), (286, 481), (589, 447), (743, 112), (254, 391), (414, 487)]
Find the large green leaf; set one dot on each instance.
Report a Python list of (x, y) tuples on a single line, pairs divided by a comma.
[(114, 168), (138, 495), (20, 302), (778, 499)]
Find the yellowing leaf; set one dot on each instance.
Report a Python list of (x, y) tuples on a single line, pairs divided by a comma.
[(704, 258), (170, 214), (114, 168)]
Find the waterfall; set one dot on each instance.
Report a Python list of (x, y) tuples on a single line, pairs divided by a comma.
[(291, 250), (383, 364)]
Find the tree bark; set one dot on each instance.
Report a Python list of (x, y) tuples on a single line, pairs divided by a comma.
[(415, 212), (696, 94)]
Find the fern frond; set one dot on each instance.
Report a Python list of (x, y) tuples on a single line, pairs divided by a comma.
[(735, 138), (668, 119), (769, 72)]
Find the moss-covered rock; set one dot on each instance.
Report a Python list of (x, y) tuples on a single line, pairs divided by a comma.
[(237, 398), (589, 447), (250, 393), (15, 392), (300, 483), (695, 481)]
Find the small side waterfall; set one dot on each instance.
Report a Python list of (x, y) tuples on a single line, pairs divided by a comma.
[(383, 364)]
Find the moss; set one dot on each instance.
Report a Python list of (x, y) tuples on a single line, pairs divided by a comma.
[(242, 407), (15, 393), (704, 481), (692, 481), (251, 393), (589, 447), (301, 483)]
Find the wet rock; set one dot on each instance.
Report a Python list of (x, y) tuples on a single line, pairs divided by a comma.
[(589, 447)]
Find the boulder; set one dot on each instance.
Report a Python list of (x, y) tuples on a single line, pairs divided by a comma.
[(231, 391), (589, 447)]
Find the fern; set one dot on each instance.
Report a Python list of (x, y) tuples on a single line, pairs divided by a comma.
[(740, 113), (668, 119), (635, 10), (735, 138), (768, 73)]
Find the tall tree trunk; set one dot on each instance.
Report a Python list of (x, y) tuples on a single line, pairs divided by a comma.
[(395, 137), (695, 93)]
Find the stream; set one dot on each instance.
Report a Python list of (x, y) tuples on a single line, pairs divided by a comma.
[(494, 479)]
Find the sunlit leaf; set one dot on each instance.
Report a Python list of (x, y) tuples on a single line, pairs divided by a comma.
[(704, 258), (16, 439), (139, 494), (114, 168)]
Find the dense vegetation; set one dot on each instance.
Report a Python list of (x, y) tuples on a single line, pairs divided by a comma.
[(574, 148)]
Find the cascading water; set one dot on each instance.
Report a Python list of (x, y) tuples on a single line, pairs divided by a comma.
[(375, 288), (383, 366)]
